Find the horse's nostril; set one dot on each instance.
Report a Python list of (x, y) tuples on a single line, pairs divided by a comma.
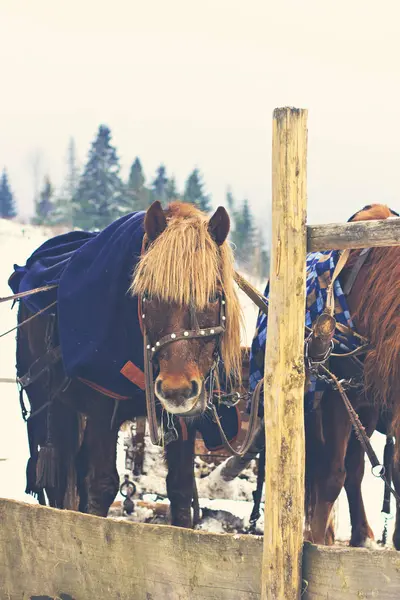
[(195, 388), (159, 387)]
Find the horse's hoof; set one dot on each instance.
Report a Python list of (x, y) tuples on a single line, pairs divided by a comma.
[(307, 537), (396, 542), (367, 543)]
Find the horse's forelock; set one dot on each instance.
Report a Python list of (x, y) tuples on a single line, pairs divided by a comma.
[(185, 266)]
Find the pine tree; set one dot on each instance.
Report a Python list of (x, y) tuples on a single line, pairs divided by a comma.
[(261, 257), (72, 179), (194, 192), (7, 203), (263, 274), (171, 190), (243, 235), (99, 198), (230, 201), (159, 184), (45, 204), (63, 206), (138, 195), (136, 179)]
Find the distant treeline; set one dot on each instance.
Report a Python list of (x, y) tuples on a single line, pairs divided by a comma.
[(95, 196)]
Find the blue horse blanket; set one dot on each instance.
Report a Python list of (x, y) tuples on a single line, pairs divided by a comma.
[(99, 331), (97, 317), (319, 269)]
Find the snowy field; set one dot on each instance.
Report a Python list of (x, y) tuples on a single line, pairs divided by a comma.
[(16, 244)]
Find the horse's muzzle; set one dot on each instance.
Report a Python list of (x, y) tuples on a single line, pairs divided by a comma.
[(181, 396)]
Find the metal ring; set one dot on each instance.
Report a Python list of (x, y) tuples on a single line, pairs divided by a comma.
[(129, 485), (379, 473)]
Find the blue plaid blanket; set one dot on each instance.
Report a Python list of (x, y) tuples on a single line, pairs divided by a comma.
[(319, 268)]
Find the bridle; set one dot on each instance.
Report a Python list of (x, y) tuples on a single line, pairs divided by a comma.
[(151, 349), (150, 354)]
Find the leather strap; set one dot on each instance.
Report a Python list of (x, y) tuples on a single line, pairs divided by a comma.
[(330, 298), (361, 434), (40, 365), (150, 399), (252, 425), (355, 271)]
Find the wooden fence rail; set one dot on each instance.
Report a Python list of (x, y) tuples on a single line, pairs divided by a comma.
[(47, 554), (365, 234)]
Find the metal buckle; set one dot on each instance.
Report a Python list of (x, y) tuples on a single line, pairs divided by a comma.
[(229, 400), (312, 362)]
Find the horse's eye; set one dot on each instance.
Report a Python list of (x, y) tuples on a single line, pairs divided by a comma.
[(213, 298)]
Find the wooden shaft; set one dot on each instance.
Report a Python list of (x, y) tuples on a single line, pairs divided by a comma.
[(360, 234), (284, 362)]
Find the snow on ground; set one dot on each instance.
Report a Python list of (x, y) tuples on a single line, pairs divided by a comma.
[(225, 506)]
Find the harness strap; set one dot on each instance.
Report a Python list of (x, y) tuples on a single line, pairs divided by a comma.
[(355, 271), (330, 298), (150, 400), (361, 434), (40, 365), (252, 424)]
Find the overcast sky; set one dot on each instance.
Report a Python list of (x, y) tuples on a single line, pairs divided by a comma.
[(195, 83)]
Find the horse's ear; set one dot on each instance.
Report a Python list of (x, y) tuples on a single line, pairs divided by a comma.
[(154, 221), (218, 225)]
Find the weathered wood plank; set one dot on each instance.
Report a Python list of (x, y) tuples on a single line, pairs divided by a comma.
[(46, 552), (284, 362), (350, 573), (61, 554), (363, 234)]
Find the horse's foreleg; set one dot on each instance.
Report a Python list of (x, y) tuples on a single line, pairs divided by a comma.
[(330, 472), (98, 479), (180, 479), (361, 533), (396, 484)]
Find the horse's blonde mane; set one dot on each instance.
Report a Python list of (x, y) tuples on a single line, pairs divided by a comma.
[(185, 266)]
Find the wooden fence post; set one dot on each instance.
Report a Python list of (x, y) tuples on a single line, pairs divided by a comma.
[(284, 362)]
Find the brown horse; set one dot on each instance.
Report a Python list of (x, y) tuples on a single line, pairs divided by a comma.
[(334, 457), (184, 272)]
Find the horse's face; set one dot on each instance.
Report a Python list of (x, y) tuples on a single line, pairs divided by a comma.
[(183, 364)]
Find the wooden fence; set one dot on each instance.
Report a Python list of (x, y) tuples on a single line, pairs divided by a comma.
[(47, 554)]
